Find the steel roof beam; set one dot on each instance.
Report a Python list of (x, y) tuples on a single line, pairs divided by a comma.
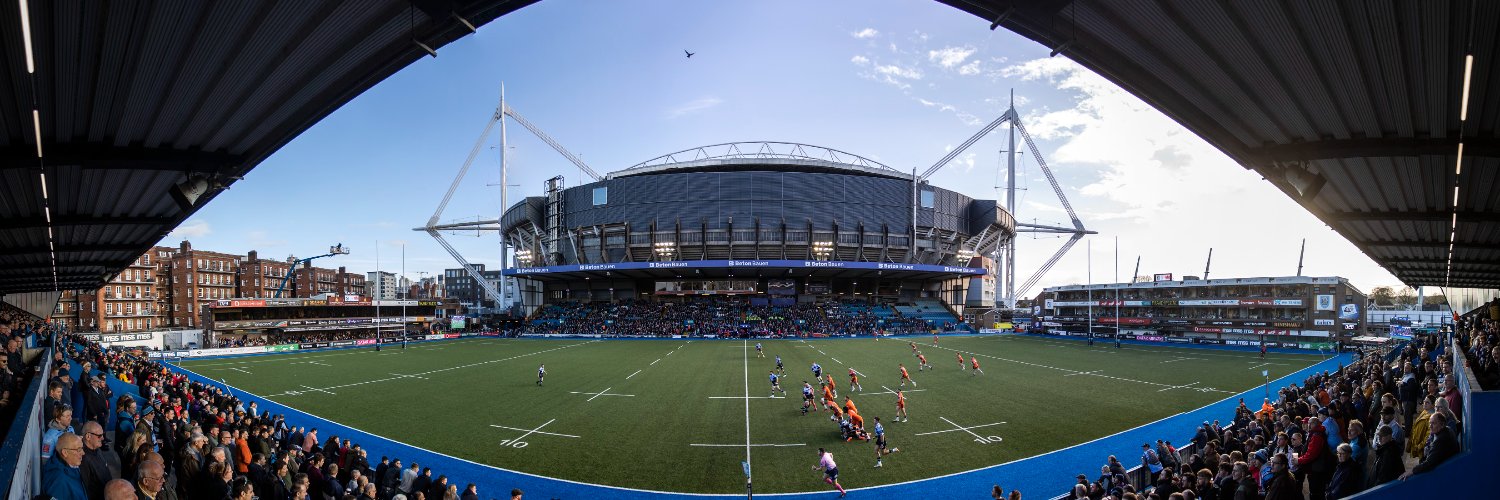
[(81, 220), (109, 157), (1474, 147)]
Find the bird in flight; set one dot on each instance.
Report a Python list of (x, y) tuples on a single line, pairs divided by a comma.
[(689, 54)]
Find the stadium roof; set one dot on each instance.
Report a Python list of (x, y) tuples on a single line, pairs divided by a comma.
[(111, 105), (733, 156), (1353, 109)]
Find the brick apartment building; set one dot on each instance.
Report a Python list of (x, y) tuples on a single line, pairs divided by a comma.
[(168, 287), (128, 302), (199, 277), (259, 278)]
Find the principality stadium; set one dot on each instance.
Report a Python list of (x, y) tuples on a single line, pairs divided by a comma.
[(778, 222), (729, 320)]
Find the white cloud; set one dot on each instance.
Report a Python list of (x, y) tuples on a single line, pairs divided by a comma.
[(948, 57), (693, 106), (964, 116), (898, 71), (195, 228), (860, 60), (1167, 193), (969, 69), (865, 33)]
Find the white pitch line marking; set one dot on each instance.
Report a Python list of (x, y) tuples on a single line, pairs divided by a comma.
[(1091, 372), (538, 429), (737, 445), (320, 390), (836, 360), (957, 427), (534, 431), (632, 375), (1175, 360), (241, 370), (408, 376), (440, 370), (1257, 366), (745, 397), (653, 363), (889, 391), (1179, 387), (745, 354), (604, 392)]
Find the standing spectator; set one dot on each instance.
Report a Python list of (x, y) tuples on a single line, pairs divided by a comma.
[(409, 478), (96, 400), (1388, 464), (61, 478), (151, 482), (1151, 460), (471, 492), (1245, 487), (124, 420), (1419, 429), (420, 484), (1331, 429), (1316, 463), (1348, 476), (1440, 447), (1450, 393), (1283, 484), (1359, 449), (438, 489), (59, 425), (95, 471)]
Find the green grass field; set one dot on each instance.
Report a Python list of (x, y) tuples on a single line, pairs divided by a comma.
[(629, 413)]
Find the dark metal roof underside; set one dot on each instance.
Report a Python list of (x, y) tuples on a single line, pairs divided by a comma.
[(133, 96), (1364, 96)]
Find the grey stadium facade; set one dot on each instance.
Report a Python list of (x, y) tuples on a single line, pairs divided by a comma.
[(830, 223)]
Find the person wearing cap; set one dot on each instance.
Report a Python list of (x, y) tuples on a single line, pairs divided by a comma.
[(1388, 460), (1388, 419), (96, 400), (1150, 459)]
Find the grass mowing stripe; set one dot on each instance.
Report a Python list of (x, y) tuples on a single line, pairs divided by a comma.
[(650, 441), (745, 353), (470, 365)]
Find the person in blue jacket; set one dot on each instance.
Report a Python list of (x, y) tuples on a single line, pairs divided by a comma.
[(61, 478)]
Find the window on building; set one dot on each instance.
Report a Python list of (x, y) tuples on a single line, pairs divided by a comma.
[(927, 197), (601, 195)]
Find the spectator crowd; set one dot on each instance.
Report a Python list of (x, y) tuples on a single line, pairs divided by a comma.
[(1334, 435), (721, 317), (183, 439)]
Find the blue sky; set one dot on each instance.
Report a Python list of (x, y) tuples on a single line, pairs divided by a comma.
[(900, 82)]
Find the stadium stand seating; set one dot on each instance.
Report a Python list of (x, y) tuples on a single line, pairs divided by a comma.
[(1305, 429), (737, 316)]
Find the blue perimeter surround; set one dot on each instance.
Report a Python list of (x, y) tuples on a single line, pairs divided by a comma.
[(1043, 475)]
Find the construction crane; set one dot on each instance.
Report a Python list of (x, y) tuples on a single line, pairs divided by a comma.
[(293, 263)]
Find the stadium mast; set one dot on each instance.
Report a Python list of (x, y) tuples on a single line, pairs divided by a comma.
[(1077, 231), (434, 229)]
